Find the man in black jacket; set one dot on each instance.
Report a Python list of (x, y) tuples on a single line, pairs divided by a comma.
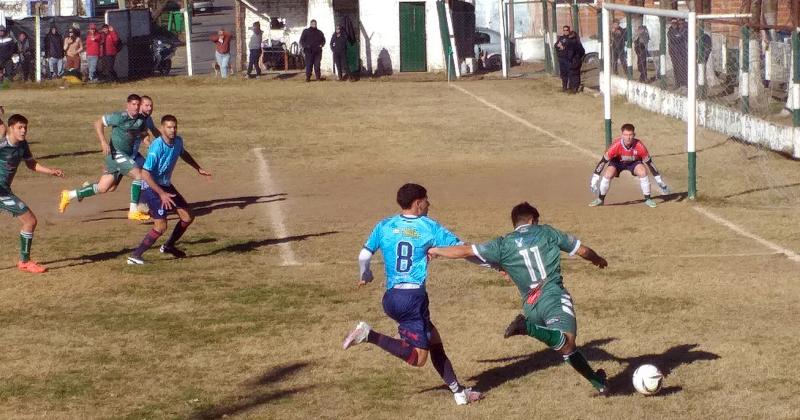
[(339, 48), (54, 52), (7, 49), (27, 62), (312, 40), (576, 53), (564, 53), (678, 37)]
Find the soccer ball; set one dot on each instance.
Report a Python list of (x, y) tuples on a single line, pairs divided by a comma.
[(647, 379)]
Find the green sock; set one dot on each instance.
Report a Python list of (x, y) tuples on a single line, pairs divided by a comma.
[(136, 191), (86, 191), (25, 240), (554, 339), (581, 365)]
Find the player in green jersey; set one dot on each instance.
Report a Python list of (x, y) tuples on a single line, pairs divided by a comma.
[(13, 151), (126, 131), (531, 256)]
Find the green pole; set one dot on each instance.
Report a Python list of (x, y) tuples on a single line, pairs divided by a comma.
[(744, 83), (701, 74), (548, 58), (629, 43), (608, 132), (554, 16), (796, 77), (692, 193), (576, 22), (662, 51)]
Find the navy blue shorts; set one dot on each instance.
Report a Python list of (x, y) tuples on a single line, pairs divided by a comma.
[(409, 307), (154, 202), (625, 166)]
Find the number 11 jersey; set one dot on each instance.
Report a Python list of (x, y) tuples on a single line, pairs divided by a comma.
[(404, 242)]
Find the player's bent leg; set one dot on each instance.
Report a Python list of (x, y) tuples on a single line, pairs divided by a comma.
[(444, 367), (186, 218), (28, 221), (363, 333), (605, 184), (644, 182)]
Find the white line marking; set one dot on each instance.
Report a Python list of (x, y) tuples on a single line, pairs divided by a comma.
[(527, 123), (275, 213), (771, 245)]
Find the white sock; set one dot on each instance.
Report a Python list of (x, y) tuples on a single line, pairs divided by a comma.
[(645, 183), (605, 184), (134, 207), (73, 194)]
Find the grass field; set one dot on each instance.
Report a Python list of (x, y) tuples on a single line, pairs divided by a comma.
[(301, 174)]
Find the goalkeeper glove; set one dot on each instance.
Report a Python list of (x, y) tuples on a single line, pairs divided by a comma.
[(593, 183), (661, 184)]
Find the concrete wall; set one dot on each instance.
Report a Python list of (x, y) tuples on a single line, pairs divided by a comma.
[(379, 29)]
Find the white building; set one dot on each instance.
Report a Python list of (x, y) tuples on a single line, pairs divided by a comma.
[(400, 35)]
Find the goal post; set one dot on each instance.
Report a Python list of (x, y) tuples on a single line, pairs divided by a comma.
[(691, 75)]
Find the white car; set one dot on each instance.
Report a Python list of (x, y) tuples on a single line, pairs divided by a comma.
[(202, 6)]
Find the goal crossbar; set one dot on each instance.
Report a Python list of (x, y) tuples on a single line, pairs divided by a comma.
[(679, 14)]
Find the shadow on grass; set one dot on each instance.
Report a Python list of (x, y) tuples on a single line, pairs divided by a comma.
[(202, 208), (676, 197), (753, 190), (702, 149), (250, 246), (70, 154), (258, 393), (619, 384)]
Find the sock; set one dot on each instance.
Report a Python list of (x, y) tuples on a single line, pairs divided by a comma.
[(25, 241), (84, 192), (581, 365), (176, 234), (645, 183), (147, 242), (393, 346), (136, 191), (554, 339), (442, 365), (605, 184)]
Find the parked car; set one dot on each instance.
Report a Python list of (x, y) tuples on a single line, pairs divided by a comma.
[(488, 49), (202, 6)]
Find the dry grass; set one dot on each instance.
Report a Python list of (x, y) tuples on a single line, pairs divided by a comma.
[(233, 332)]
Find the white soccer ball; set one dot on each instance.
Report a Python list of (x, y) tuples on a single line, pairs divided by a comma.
[(647, 379)]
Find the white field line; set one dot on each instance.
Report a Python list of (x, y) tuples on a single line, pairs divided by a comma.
[(275, 213), (700, 209)]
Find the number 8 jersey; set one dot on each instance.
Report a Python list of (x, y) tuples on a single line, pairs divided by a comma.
[(404, 242), (531, 255)]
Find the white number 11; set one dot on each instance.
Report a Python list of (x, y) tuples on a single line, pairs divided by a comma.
[(526, 255)]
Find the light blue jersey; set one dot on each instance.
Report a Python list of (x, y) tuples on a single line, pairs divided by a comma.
[(161, 159), (404, 242)]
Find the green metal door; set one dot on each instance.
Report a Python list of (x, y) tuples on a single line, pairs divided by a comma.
[(413, 54)]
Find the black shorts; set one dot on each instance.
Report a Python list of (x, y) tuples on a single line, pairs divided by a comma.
[(625, 166), (154, 202)]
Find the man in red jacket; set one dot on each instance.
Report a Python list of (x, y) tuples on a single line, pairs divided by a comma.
[(108, 51), (92, 46)]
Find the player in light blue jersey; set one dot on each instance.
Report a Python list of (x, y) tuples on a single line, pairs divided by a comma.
[(404, 240), (162, 196)]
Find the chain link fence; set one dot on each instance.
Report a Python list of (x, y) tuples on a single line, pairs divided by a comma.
[(122, 45)]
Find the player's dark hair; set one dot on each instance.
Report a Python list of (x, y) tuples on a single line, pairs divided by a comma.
[(522, 212), (134, 97), (409, 193), (17, 118), (628, 127), (147, 97), (169, 117)]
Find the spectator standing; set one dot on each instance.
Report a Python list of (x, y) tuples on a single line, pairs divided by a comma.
[(254, 45), (339, 49), (222, 42), (312, 40), (73, 46), (618, 48), (7, 49), (563, 53), (678, 51), (575, 62), (93, 41), (26, 57), (54, 52), (640, 47), (109, 47)]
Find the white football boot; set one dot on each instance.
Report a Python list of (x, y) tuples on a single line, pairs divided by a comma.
[(466, 396), (357, 336)]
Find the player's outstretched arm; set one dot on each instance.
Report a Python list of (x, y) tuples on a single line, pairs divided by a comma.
[(35, 166), (99, 129), (590, 255), (191, 162), (657, 176), (452, 252)]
